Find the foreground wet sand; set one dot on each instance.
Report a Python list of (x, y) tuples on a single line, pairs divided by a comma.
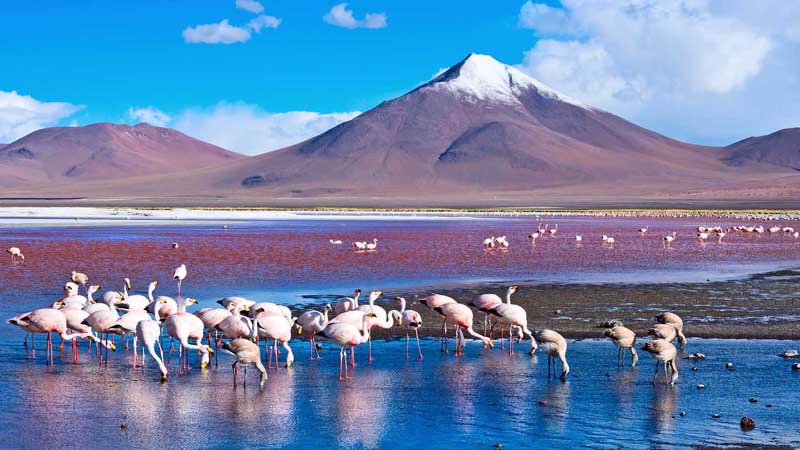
[(763, 306)]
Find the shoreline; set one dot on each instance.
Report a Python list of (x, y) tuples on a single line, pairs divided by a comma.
[(54, 215)]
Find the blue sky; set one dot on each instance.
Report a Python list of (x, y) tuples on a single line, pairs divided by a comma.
[(710, 71)]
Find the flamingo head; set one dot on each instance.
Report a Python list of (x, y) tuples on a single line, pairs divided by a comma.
[(328, 307), (128, 283), (513, 288), (374, 295)]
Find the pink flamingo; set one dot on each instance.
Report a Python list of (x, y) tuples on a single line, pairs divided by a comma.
[(312, 322), (346, 334), (184, 326), (48, 320), (485, 302), (461, 316), (410, 320), (434, 302), (356, 319), (348, 303), (276, 327)]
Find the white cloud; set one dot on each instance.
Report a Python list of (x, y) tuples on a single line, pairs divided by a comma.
[(225, 33), (247, 129), (672, 64), (150, 115), (340, 16), (22, 114), (250, 5)]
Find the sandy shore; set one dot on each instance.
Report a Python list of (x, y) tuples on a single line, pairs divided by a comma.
[(763, 306)]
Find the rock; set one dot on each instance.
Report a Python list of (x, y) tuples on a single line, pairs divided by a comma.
[(558, 311), (542, 402), (729, 365), (790, 354), (701, 386), (753, 400), (715, 416), (768, 405), (498, 445), (747, 423), (175, 245), (697, 356), (123, 426), (682, 413), (694, 368), (796, 366)]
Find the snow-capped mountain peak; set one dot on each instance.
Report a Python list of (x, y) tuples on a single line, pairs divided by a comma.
[(482, 77)]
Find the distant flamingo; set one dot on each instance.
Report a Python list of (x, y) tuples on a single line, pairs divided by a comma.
[(669, 238), (663, 351), (554, 345), (533, 237), (578, 238), (15, 253), (553, 231), (643, 230), (179, 276), (623, 338), (335, 241), (410, 320), (358, 245), (489, 243), (372, 246)]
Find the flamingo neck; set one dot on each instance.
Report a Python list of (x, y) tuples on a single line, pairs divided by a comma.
[(150, 291), (508, 296), (402, 305), (124, 290), (156, 309)]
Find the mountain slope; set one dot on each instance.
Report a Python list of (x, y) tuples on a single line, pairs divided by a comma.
[(781, 148), (103, 151)]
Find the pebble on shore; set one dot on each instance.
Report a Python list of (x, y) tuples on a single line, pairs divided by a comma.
[(747, 423)]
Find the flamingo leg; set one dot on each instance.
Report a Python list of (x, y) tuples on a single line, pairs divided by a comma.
[(33, 346), (25, 344), (352, 356), (419, 349), (342, 361)]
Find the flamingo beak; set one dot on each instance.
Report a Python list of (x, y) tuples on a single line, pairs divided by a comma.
[(299, 331)]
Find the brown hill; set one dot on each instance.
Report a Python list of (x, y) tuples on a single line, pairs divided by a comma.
[(781, 148)]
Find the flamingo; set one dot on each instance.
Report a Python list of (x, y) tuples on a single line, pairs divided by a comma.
[(663, 351), (101, 321), (663, 331), (461, 316), (486, 302), (533, 237), (168, 306), (48, 320), (553, 230), (184, 326), (139, 301), (346, 334), (110, 297), (246, 352), (669, 238), (433, 302), (643, 230), (148, 333), (15, 253), (347, 303), (79, 278), (276, 327), (270, 307), (410, 320), (372, 246), (126, 324), (554, 345), (488, 243), (312, 322), (225, 302), (610, 241), (796, 234), (335, 241), (702, 236), (237, 325), (720, 235), (578, 238), (179, 276), (379, 312), (623, 338), (359, 245), (75, 318), (674, 320), (513, 316)]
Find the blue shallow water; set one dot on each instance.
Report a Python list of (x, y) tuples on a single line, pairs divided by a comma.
[(475, 401)]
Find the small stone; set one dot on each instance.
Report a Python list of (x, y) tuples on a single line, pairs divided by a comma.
[(558, 311), (697, 356), (790, 354), (796, 366), (753, 400), (123, 426), (747, 423), (729, 365), (694, 368), (175, 245), (542, 402), (768, 405), (682, 413), (715, 416), (701, 386), (498, 445)]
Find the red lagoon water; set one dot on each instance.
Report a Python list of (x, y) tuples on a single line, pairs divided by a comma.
[(282, 260)]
